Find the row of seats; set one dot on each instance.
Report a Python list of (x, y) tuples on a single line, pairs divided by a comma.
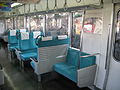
[(23, 44), (53, 53)]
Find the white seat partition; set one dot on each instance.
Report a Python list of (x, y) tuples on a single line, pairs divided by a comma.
[(49, 52)]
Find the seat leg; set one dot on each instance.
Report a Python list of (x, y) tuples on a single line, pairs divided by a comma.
[(21, 65), (10, 56), (39, 78)]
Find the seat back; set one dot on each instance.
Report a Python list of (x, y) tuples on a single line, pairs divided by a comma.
[(87, 61), (33, 36), (49, 50), (73, 56), (12, 37), (24, 41)]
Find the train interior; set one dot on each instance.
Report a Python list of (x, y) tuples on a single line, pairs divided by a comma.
[(59, 44)]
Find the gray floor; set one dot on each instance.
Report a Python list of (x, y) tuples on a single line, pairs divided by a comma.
[(15, 79)]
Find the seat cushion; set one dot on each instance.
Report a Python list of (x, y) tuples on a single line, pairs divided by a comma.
[(28, 55), (66, 70), (13, 47)]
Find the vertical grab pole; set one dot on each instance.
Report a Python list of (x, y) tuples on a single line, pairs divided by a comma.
[(44, 25), (70, 25), (81, 38)]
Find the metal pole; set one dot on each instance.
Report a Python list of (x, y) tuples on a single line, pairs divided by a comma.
[(44, 24), (70, 25), (81, 38)]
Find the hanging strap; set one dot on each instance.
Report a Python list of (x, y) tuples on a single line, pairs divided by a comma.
[(78, 1), (47, 8), (55, 7), (65, 5)]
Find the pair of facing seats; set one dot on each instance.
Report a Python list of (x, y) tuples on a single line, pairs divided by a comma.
[(27, 46), (78, 68), (23, 43)]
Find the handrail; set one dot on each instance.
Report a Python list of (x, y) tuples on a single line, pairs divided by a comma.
[(33, 59), (90, 55)]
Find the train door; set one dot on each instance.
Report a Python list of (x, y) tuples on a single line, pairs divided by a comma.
[(113, 81)]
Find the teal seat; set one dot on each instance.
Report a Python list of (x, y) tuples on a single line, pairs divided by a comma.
[(27, 56), (73, 63), (12, 40), (66, 70), (26, 47), (13, 47)]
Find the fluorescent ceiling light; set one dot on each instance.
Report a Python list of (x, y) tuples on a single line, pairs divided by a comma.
[(15, 4)]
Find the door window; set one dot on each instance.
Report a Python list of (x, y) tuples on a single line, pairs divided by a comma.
[(117, 39)]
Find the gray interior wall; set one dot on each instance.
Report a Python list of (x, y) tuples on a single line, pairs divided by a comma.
[(96, 43)]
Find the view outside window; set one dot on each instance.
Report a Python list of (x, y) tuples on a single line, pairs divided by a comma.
[(20, 21), (36, 23), (77, 28), (28, 23), (16, 22), (57, 24), (117, 39), (9, 23)]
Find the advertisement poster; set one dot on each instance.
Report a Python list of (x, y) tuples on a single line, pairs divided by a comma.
[(93, 25)]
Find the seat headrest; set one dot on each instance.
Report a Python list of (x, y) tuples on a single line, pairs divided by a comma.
[(62, 37), (35, 34), (23, 30), (46, 38), (12, 32), (24, 35)]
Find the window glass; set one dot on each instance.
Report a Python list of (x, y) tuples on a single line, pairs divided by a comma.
[(28, 23), (16, 22), (77, 27), (57, 24), (20, 21), (36, 22), (2, 28), (9, 23), (117, 39)]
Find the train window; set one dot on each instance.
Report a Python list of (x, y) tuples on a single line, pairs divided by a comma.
[(36, 22), (117, 39), (9, 23), (57, 24), (20, 21), (16, 22), (77, 27)]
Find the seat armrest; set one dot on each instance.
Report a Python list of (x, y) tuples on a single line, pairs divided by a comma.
[(90, 55), (18, 50), (33, 59), (61, 56)]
